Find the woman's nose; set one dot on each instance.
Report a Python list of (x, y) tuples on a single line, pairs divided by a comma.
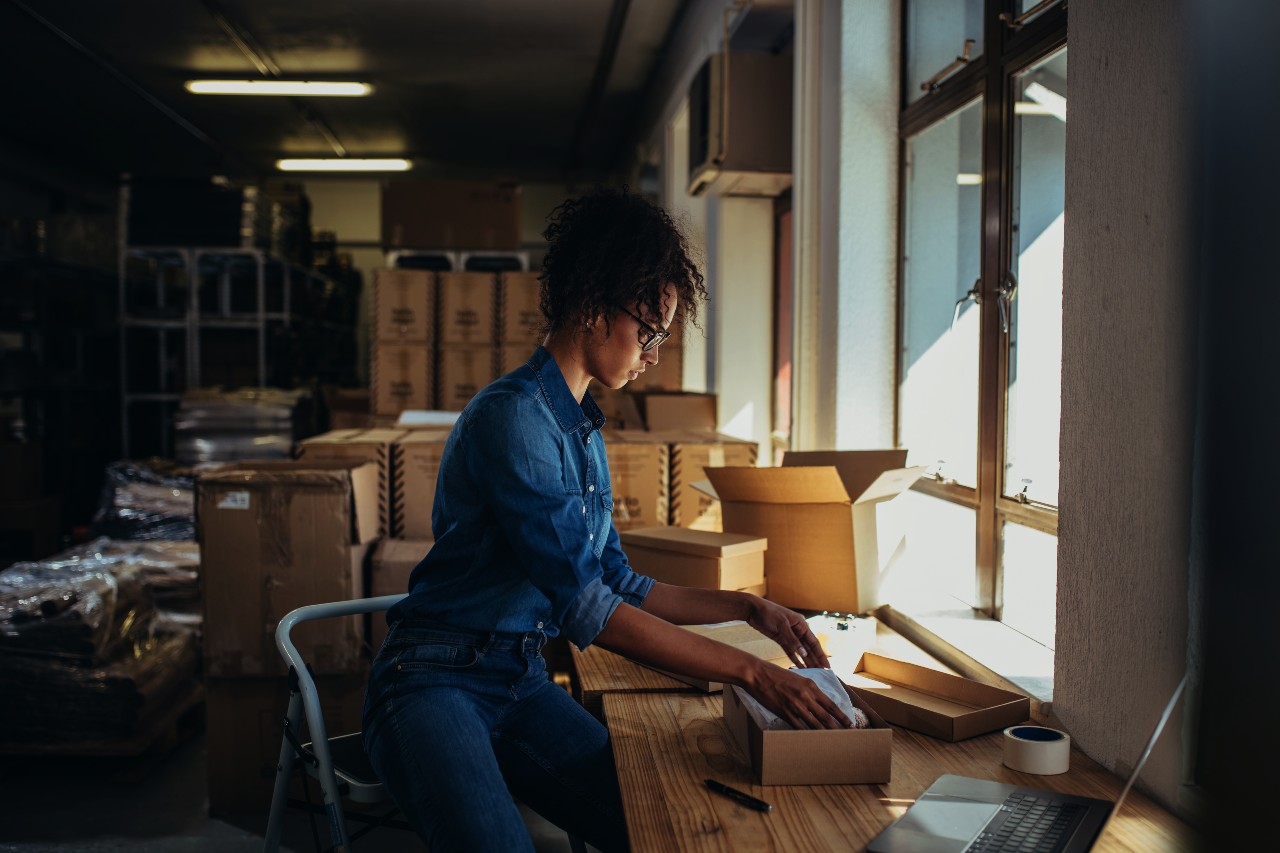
[(651, 357)]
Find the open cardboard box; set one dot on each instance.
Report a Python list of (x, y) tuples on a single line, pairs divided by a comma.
[(818, 512), (936, 703), (813, 756), (696, 558), (740, 635)]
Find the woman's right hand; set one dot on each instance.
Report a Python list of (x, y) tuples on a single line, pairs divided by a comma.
[(794, 698)]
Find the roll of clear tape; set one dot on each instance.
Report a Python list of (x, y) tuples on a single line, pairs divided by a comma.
[(1037, 749)]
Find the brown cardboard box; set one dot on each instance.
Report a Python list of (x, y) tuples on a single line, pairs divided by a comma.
[(464, 370), (416, 465), (468, 307), (393, 562), (691, 454), (511, 356), (402, 378), (450, 215), (638, 479), (244, 726), (273, 537), (521, 317), (666, 410), (348, 408), (740, 635), (696, 558), (936, 703), (404, 306), (619, 407), (818, 513), (370, 445), (813, 756)]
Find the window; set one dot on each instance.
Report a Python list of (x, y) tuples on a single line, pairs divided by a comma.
[(983, 130)]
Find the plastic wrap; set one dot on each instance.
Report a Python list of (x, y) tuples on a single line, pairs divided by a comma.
[(212, 425), (146, 499)]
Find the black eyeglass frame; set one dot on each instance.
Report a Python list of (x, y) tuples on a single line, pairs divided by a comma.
[(656, 337)]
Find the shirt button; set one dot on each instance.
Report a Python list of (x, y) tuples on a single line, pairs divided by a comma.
[(539, 626), (591, 537), (591, 488), (588, 439), (584, 509)]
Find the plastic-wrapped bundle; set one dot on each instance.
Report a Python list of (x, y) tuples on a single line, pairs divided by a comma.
[(170, 568), (147, 499), (251, 423), (824, 678)]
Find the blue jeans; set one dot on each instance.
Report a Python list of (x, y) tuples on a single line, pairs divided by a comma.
[(458, 721)]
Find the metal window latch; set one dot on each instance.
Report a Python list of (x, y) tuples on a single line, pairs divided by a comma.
[(1008, 288), (975, 293), (932, 84), (1018, 22)]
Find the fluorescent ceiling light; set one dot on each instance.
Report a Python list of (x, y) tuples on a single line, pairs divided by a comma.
[(279, 87), (1031, 108), (344, 164), (1054, 104), (968, 179)]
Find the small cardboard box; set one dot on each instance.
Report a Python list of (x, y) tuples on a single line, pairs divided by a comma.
[(696, 558), (370, 445), (450, 215), (464, 370), (401, 376), (404, 304), (741, 636), (935, 703), (813, 756), (521, 317), (666, 410), (416, 465), (818, 513), (511, 356), (638, 478), (468, 307), (393, 562), (691, 454), (274, 536)]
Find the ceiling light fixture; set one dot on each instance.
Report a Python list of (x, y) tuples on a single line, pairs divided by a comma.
[(1053, 102), (344, 164), (333, 89)]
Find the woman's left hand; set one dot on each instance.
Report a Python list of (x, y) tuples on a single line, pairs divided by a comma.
[(789, 630)]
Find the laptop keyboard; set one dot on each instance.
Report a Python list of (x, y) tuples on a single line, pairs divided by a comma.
[(1032, 824)]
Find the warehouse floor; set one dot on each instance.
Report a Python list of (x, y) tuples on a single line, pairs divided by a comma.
[(156, 804)]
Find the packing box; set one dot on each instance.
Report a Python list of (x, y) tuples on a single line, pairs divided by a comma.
[(638, 478), (348, 408), (393, 562), (665, 410), (369, 445), (402, 378), (404, 305), (468, 311), (813, 756), (619, 407), (818, 513), (691, 454), (521, 318), (464, 370), (511, 356), (274, 536), (697, 558), (936, 703), (740, 635), (450, 215), (416, 464)]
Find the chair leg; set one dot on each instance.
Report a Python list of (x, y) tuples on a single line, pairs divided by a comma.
[(284, 770), (576, 844)]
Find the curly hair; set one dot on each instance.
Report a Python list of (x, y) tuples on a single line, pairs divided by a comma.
[(611, 249)]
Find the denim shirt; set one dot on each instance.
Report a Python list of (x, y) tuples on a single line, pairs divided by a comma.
[(523, 517)]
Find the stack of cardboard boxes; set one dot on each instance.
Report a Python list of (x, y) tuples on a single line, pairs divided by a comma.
[(402, 367)]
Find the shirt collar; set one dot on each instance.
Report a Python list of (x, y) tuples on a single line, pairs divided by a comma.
[(571, 416)]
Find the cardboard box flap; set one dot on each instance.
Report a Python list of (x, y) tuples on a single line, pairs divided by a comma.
[(699, 543), (858, 468), (424, 436), (778, 485), (890, 484)]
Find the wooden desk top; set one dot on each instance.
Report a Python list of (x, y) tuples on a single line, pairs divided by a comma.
[(597, 672), (666, 744)]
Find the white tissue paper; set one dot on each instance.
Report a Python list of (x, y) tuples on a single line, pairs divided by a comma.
[(825, 679)]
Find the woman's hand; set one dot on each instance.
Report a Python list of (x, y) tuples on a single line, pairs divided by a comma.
[(796, 699), (789, 630)]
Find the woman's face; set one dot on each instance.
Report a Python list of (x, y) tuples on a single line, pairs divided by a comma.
[(614, 354)]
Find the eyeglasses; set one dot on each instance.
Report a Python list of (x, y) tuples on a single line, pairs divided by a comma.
[(650, 338)]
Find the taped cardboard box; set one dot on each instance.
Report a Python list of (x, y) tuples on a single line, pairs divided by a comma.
[(464, 370), (741, 636), (696, 558), (813, 756), (416, 466), (273, 537), (935, 703), (404, 306), (393, 562), (521, 321), (638, 478), (450, 215), (370, 445), (818, 512), (468, 307), (402, 377), (692, 453)]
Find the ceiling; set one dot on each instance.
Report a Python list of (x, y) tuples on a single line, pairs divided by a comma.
[(524, 90)]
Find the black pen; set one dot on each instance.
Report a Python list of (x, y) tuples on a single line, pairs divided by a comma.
[(739, 797)]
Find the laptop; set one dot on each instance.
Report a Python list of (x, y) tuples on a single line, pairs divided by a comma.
[(960, 813)]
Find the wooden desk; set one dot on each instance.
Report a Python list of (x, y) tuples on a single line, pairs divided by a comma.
[(597, 672), (666, 744)]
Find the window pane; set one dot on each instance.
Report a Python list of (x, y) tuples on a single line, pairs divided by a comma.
[(926, 553), (1035, 334), (936, 32), (938, 395), (1030, 567)]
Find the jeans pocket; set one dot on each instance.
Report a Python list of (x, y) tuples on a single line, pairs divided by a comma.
[(437, 655)]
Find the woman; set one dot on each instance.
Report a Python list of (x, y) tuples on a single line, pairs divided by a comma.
[(460, 713)]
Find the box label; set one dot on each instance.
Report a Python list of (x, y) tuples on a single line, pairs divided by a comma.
[(234, 500)]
